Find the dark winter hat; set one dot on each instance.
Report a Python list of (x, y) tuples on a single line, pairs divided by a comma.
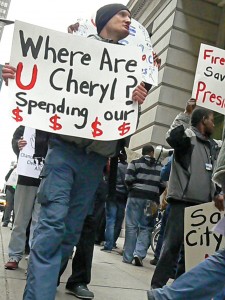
[(105, 13)]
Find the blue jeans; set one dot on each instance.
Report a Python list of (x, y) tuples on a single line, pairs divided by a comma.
[(70, 179), (202, 282), (115, 211), (138, 229)]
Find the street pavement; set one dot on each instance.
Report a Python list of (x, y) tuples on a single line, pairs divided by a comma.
[(111, 278)]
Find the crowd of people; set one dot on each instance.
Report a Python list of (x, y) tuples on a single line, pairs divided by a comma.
[(84, 182)]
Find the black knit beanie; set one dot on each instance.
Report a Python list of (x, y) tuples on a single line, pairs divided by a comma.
[(105, 13)]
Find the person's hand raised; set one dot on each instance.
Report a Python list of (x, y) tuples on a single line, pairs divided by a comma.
[(190, 106)]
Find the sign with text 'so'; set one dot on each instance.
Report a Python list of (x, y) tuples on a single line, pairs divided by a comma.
[(209, 80), (200, 240), (73, 85)]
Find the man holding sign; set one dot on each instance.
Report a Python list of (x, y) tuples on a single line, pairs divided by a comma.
[(72, 172), (206, 280), (190, 182)]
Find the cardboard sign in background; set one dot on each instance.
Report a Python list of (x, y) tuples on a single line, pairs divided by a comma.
[(138, 37), (209, 80), (199, 239), (73, 85), (27, 165)]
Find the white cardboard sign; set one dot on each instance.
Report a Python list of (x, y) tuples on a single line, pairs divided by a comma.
[(209, 80), (138, 37), (73, 85), (199, 239), (27, 165)]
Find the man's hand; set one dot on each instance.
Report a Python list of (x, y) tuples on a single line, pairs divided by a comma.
[(21, 143), (73, 28), (8, 72), (139, 93), (219, 202), (157, 60), (190, 106)]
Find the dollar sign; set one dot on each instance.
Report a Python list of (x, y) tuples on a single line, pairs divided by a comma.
[(16, 112), (96, 131), (55, 124), (124, 128)]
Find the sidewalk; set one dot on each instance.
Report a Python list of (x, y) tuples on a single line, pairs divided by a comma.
[(111, 279)]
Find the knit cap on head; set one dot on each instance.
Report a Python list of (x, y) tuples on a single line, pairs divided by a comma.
[(105, 13)]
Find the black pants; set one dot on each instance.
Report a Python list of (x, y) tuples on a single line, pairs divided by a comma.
[(172, 247), (82, 261)]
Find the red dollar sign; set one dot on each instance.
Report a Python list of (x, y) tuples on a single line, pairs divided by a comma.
[(124, 128), (96, 131), (54, 121), (16, 112)]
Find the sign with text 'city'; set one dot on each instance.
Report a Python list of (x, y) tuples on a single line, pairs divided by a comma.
[(73, 85), (209, 80), (199, 239)]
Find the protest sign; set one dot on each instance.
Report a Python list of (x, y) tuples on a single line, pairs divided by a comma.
[(27, 164), (209, 80), (138, 37), (73, 85), (199, 239)]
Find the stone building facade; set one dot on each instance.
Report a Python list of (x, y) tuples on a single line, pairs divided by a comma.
[(177, 28)]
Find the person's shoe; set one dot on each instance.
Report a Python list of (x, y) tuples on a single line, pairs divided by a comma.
[(153, 261), (106, 250), (12, 264), (4, 225), (138, 261), (150, 295), (81, 291)]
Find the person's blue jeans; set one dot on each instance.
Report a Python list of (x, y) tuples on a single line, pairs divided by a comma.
[(138, 229), (70, 179), (203, 282), (161, 232), (115, 211)]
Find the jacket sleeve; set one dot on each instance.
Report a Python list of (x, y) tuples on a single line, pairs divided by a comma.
[(16, 136), (176, 136)]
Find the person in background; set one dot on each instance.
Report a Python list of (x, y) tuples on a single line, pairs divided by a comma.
[(25, 204), (143, 182), (165, 174), (115, 206), (190, 183), (9, 191), (206, 280)]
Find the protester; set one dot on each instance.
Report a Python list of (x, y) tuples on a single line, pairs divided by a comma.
[(143, 181), (10, 187), (71, 174), (164, 175), (206, 280), (115, 206), (25, 204), (189, 184)]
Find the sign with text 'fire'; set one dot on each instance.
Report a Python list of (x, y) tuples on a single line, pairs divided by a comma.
[(210, 78)]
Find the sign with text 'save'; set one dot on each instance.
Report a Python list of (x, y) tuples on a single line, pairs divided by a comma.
[(209, 80), (199, 239), (73, 85)]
